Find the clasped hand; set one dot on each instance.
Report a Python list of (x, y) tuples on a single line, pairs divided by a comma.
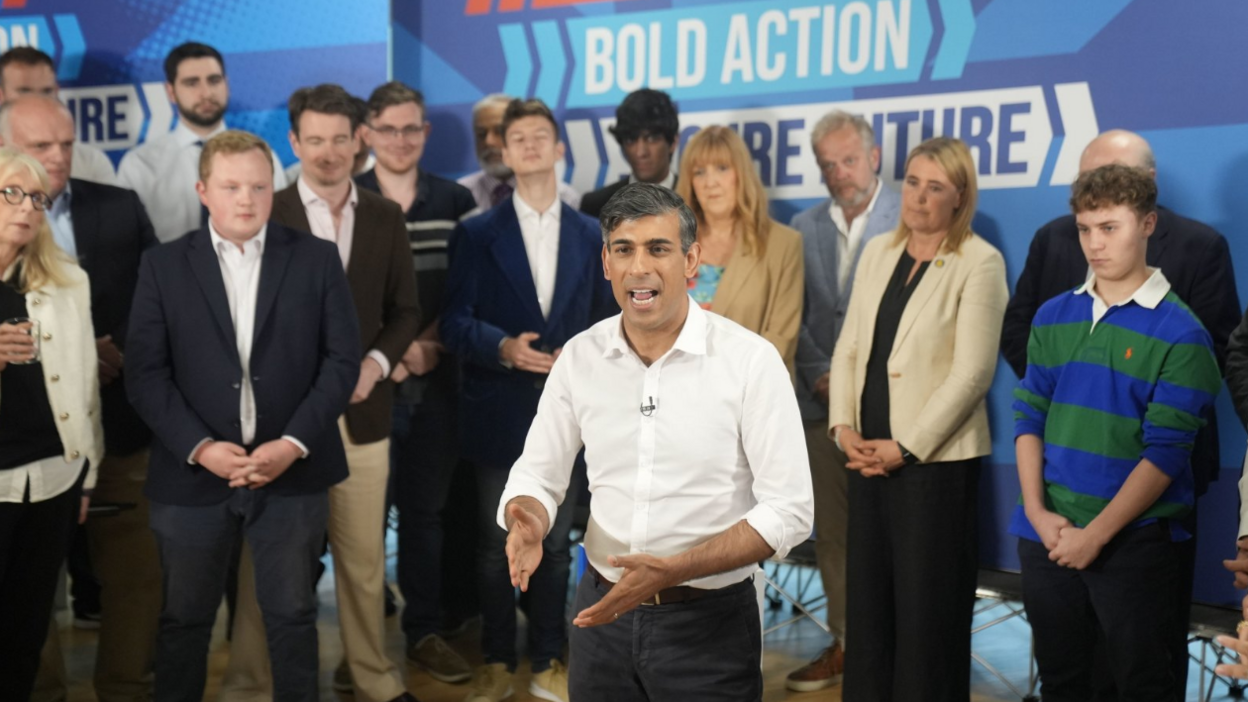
[(877, 457), (231, 462)]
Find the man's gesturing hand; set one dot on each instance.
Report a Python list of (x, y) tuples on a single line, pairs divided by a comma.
[(521, 356), (644, 575), (524, 544)]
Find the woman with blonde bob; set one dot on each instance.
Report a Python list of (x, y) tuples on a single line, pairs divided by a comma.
[(751, 269), (909, 375), (50, 434)]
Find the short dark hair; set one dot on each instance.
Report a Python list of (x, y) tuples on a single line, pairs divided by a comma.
[(638, 200), (189, 50), (1113, 185), (327, 99), (646, 110), (391, 94), (24, 56), (519, 109)]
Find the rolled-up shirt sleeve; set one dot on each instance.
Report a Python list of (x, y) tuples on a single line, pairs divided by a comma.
[(545, 467), (775, 446)]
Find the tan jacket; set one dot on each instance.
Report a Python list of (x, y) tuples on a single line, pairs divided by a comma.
[(944, 355), (764, 294)]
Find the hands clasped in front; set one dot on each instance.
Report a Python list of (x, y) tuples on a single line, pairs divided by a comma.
[(1069, 546), (230, 461), (644, 574), (876, 457)]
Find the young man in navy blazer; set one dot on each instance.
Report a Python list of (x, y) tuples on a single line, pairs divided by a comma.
[(524, 278), (243, 352)]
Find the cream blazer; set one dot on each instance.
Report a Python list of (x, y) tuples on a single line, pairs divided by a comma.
[(70, 365), (943, 358), (764, 294)]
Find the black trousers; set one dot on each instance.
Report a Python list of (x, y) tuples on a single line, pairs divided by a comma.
[(911, 570), (1131, 592), (34, 539), (708, 650)]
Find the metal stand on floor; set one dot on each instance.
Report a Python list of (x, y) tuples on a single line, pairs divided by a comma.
[(799, 566), (1207, 623), (1001, 589)]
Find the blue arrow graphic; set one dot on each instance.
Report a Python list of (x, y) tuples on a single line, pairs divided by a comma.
[(519, 62), (959, 19), (73, 46), (552, 61)]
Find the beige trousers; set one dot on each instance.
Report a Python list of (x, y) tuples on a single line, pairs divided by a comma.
[(356, 541), (830, 481)]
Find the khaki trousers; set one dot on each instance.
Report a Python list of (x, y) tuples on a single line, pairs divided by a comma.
[(357, 543), (830, 480)]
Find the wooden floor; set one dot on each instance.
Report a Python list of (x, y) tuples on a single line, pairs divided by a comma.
[(1003, 645)]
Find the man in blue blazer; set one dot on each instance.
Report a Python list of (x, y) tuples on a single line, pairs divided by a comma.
[(243, 351), (524, 278), (833, 234)]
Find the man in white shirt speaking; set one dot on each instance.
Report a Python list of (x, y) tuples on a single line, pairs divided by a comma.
[(697, 467)]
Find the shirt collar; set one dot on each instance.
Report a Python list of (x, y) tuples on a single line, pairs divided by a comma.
[(669, 182), (219, 242), (523, 210), (64, 200), (1148, 295), (691, 340), (183, 135), (309, 197), (838, 214)]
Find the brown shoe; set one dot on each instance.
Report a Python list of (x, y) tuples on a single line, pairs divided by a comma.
[(825, 671)]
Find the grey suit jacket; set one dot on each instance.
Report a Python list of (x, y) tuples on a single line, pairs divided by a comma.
[(823, 311)]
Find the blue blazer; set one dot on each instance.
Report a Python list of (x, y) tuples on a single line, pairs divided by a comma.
[(490, 296), (823, 311), (183, 371)]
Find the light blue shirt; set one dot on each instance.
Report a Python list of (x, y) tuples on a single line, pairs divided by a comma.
[(62, 222)]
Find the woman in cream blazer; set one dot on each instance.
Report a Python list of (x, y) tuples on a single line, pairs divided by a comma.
[(752, 267), (51, 438), (911, 368)]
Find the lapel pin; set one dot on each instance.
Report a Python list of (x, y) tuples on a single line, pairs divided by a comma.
[(940, 263)]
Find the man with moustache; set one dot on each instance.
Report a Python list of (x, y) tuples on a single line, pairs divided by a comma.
[(373, 248), (163, 169), (105, 229), (25, 70), (243, 349), (696, 466), (646, 128), (833, 234), (423, 449), (495, 182), (524, 278)]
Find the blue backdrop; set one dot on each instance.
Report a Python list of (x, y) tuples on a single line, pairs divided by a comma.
[(1026, 83)]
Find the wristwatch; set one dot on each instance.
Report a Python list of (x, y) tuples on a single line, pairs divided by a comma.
[(907, 458)]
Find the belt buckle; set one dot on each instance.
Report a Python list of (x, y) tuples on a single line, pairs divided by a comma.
[(657, 601)]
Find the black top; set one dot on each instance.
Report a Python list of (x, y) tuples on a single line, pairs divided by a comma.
[(27, 426), (875, 407)]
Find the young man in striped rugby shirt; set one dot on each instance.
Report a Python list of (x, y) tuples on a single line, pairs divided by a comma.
[(1119, 375)]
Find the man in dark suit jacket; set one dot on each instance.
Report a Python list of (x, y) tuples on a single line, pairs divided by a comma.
[(373, 247), (243, 350), (107, 230), (1194, 258), (646, 127), (525, 277)]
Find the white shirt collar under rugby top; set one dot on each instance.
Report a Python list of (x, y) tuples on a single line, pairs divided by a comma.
[(1149, 295)]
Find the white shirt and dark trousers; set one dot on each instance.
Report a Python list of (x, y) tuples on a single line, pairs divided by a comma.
[(247, 346), (677, 452)]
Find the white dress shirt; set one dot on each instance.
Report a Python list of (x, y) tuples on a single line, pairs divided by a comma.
[(321, 221), (850, 237), (240, 271), (61, 221), (722, 443), (164, 170), (540, 231), (90, 163), (482, 184)]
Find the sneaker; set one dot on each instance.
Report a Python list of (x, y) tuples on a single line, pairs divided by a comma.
[(551, 684), (432, 655), (825, 671), (342, 678), (492, 683)]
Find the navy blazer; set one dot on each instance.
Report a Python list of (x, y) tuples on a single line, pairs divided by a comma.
[(184, 376), (1194, 257), (823, 311), (490, 296), (111, 232)]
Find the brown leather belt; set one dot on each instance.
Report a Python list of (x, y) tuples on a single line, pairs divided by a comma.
[(671, 595)]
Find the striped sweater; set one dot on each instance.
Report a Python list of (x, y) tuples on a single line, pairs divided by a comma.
[(1136, 384)]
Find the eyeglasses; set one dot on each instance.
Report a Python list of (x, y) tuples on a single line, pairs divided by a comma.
[(411, 131), (14, 196)]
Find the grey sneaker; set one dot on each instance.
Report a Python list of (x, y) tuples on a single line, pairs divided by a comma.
[(551, 684), (492, 683), (432, 655)]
